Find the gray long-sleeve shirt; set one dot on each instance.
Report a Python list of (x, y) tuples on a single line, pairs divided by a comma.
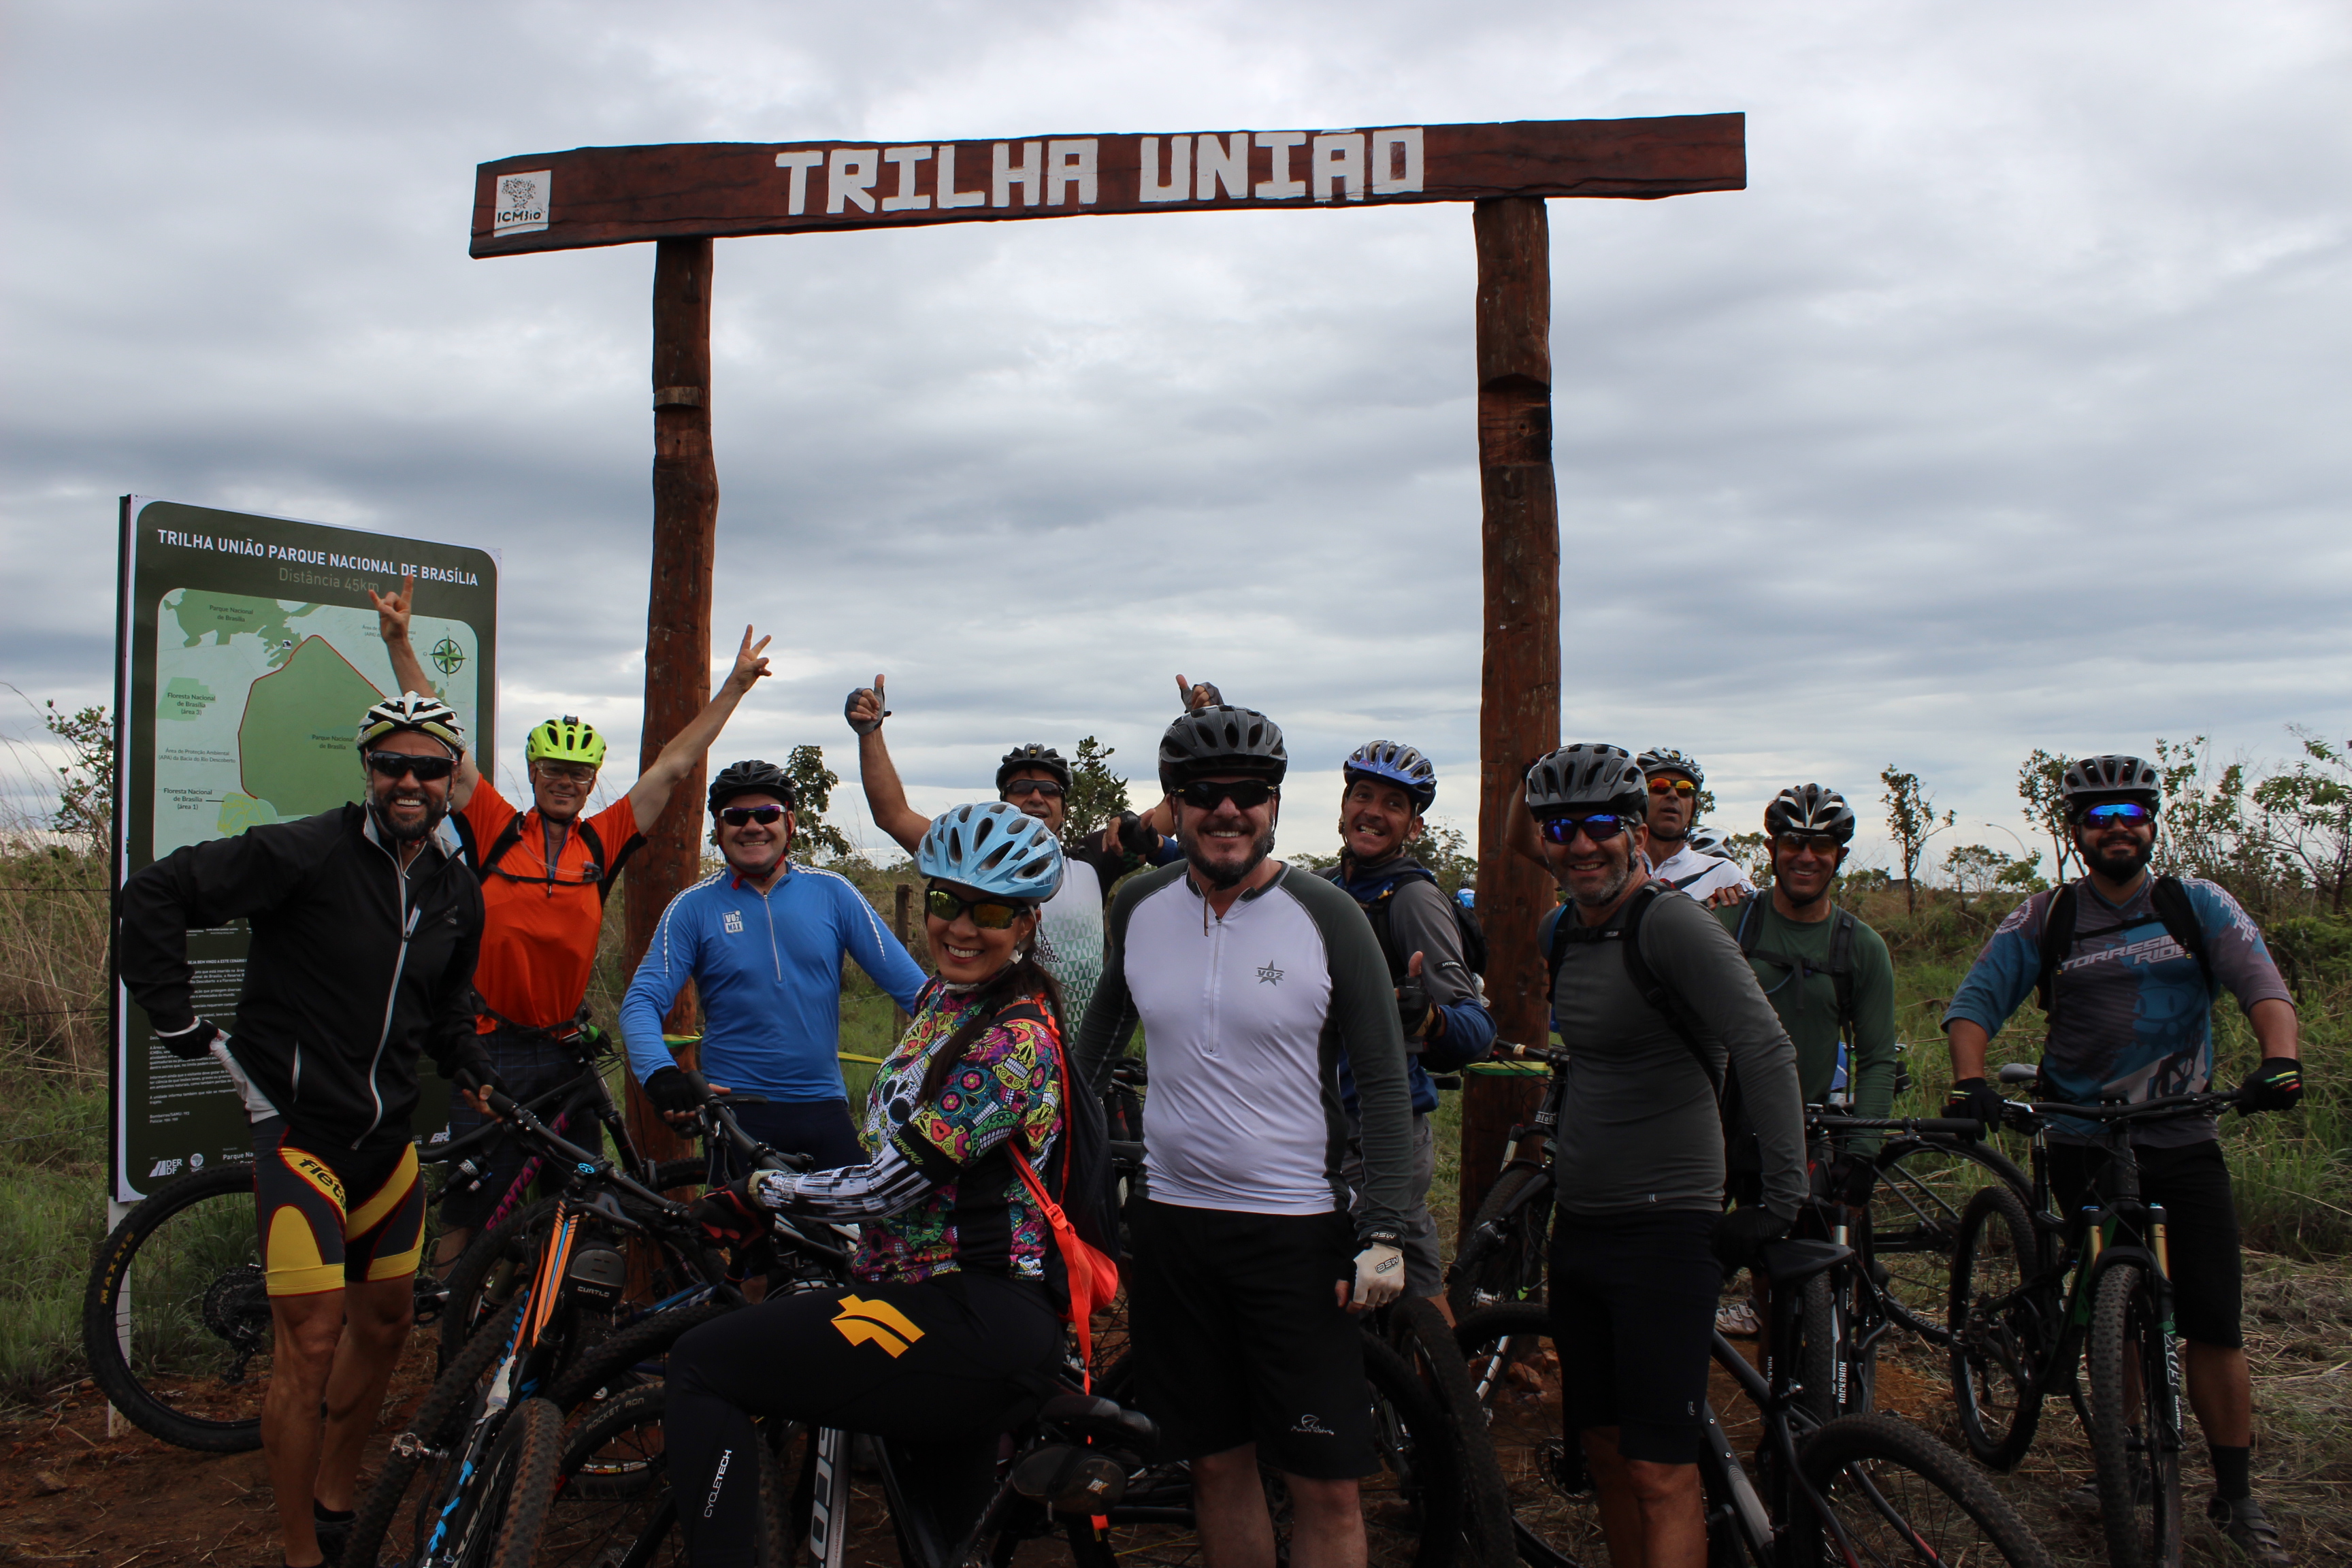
[(1639, 1129), (1244, 1016)]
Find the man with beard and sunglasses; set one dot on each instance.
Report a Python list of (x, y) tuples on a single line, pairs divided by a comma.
[(1657, 1009), (2130, 966), (1250, 978), (763, 941), (1035, 778), (365, 927)]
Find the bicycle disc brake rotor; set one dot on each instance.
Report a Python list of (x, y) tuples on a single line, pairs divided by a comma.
[(236, 1310)]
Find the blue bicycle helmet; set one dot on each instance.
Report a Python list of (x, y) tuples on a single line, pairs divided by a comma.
[(993, 847), (1390, 762)]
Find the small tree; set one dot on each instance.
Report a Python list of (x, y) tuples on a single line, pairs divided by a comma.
[(1752, 853), (812, 785), (2040, 783), (1975, 871), (1911, 819), (1096, 794), (1448, 855), (2308, 815), (85, 784)]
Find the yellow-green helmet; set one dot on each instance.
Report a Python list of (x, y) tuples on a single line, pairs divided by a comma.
[(565, 740)]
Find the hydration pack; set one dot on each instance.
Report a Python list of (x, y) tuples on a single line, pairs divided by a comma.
[(599, 871), (1468, 933), (1839, 968)]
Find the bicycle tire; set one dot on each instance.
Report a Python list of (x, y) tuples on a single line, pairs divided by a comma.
[(1996, 1356), (437, 1421), (2138, 1479), (1413, 1506), (614, 1363), (1514, 1367), (1859, 1466), (1507, 1263), (1420, 1334), (535, 1431), (1818, 1350), (1917, 1202), (192, 1304)]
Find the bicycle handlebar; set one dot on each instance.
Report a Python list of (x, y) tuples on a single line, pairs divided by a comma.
[(1511, 1050), (1931, 1126), (2165, 1108)]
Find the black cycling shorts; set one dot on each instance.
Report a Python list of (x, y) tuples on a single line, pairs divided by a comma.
[(531, 1065), (1240, 1338), (329, 1217), (2201, 1230), (1633, 1317), (940, 1367)]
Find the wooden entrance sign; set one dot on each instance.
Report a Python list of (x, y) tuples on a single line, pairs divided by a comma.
[(682, 195)]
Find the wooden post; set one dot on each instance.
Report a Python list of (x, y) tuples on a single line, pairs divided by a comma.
[(905, 896), (677, 615), (1518, 702)]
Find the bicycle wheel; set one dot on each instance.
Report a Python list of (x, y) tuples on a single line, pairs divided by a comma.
[(179, 1283), (1413, 1504), (1916, 1205), (1999, 1336), (1900, 1496), (1514, 1367), (613, 1502), (401, 1513), (2135, 1421), (1502, 1260), (522, 1496), (633, 1356), (1420, 1334)]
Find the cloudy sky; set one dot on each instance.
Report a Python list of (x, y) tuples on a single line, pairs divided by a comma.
[(2006, 408)]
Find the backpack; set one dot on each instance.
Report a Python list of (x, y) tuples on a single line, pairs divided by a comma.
[(1839, 968), (484, 862), (2058, 934), (1627, 934), (1467, 928)]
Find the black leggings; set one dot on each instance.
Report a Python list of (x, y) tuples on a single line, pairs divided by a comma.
[(940, 1368)]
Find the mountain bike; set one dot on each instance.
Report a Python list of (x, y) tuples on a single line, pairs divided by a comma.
[(1858, 1489), (2039, 1303), (176, 1323), (467, 1482), (1504, 1249)]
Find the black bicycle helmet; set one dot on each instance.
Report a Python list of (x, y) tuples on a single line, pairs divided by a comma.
[(753, 777), (2113, 777), (1666, 759), (1034, 755), (1390, 762), (1809, 808), (1589, 776), (1222, 740)]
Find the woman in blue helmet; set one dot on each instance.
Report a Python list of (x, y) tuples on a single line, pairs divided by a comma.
[(947, 1331)]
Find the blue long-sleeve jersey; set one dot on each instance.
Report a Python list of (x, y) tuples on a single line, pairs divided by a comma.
[(767, 970)]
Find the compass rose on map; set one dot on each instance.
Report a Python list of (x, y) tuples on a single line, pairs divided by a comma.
[(447, 656)]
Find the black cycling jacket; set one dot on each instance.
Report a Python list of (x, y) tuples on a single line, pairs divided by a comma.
[(356, 966)]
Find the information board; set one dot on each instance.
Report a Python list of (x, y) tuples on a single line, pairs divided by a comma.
[(246, 652)]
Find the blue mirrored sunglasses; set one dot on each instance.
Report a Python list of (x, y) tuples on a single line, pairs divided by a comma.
[(1601, 827), (2118, 813)]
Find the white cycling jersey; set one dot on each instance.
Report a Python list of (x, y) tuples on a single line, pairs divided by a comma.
[(1699, 875)]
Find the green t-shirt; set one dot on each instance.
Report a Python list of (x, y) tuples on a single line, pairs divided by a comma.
[(1789, 958)]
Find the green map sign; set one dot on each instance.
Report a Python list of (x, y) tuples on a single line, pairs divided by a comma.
[(247, 652)]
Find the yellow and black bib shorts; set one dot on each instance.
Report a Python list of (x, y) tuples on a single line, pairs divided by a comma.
[(334, 1216)]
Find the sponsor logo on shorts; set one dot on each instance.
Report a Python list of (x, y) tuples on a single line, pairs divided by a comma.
[(1312, 1425), (716, 1481), (732, 922), (316, 1173), (876, 1322)]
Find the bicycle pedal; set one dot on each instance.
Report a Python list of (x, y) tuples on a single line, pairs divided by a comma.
[(409, 1446), (1070, 1479)]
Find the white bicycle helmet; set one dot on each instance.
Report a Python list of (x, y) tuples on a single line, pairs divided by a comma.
[(424, 715), (994, 847)]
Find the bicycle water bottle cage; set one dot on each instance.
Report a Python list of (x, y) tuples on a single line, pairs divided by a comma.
[(1789, 1263)]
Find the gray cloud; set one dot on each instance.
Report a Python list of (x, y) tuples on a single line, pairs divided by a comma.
[(2004, 409)]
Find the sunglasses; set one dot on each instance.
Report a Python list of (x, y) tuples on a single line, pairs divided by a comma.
[(1820, 844), (1673, 786), (569, 773), (737, 816), (2118, 813), (1245, 794), (988, 914), (1032, 786), (1601, 827), (392, 764)]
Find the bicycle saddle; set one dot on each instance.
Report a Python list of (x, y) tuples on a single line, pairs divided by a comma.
[(1092, 1416), (1794, 1262)]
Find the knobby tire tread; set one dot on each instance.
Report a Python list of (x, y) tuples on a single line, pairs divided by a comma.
[(641, 1341), (1889, 1441), (435, 1423), (2122, 1324), (1430, 1347), (536, 1431), (101, 1346), (1995, 1219)]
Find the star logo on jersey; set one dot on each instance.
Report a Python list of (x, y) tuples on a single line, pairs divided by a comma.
[(1269, 976), (876, 1322)]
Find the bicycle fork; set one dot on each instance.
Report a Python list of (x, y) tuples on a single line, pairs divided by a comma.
[(828, 1536)]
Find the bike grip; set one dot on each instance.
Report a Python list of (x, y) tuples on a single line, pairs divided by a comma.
[(1958, 1126)]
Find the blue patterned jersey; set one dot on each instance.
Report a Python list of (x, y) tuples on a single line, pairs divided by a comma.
[(2133, 1020)]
